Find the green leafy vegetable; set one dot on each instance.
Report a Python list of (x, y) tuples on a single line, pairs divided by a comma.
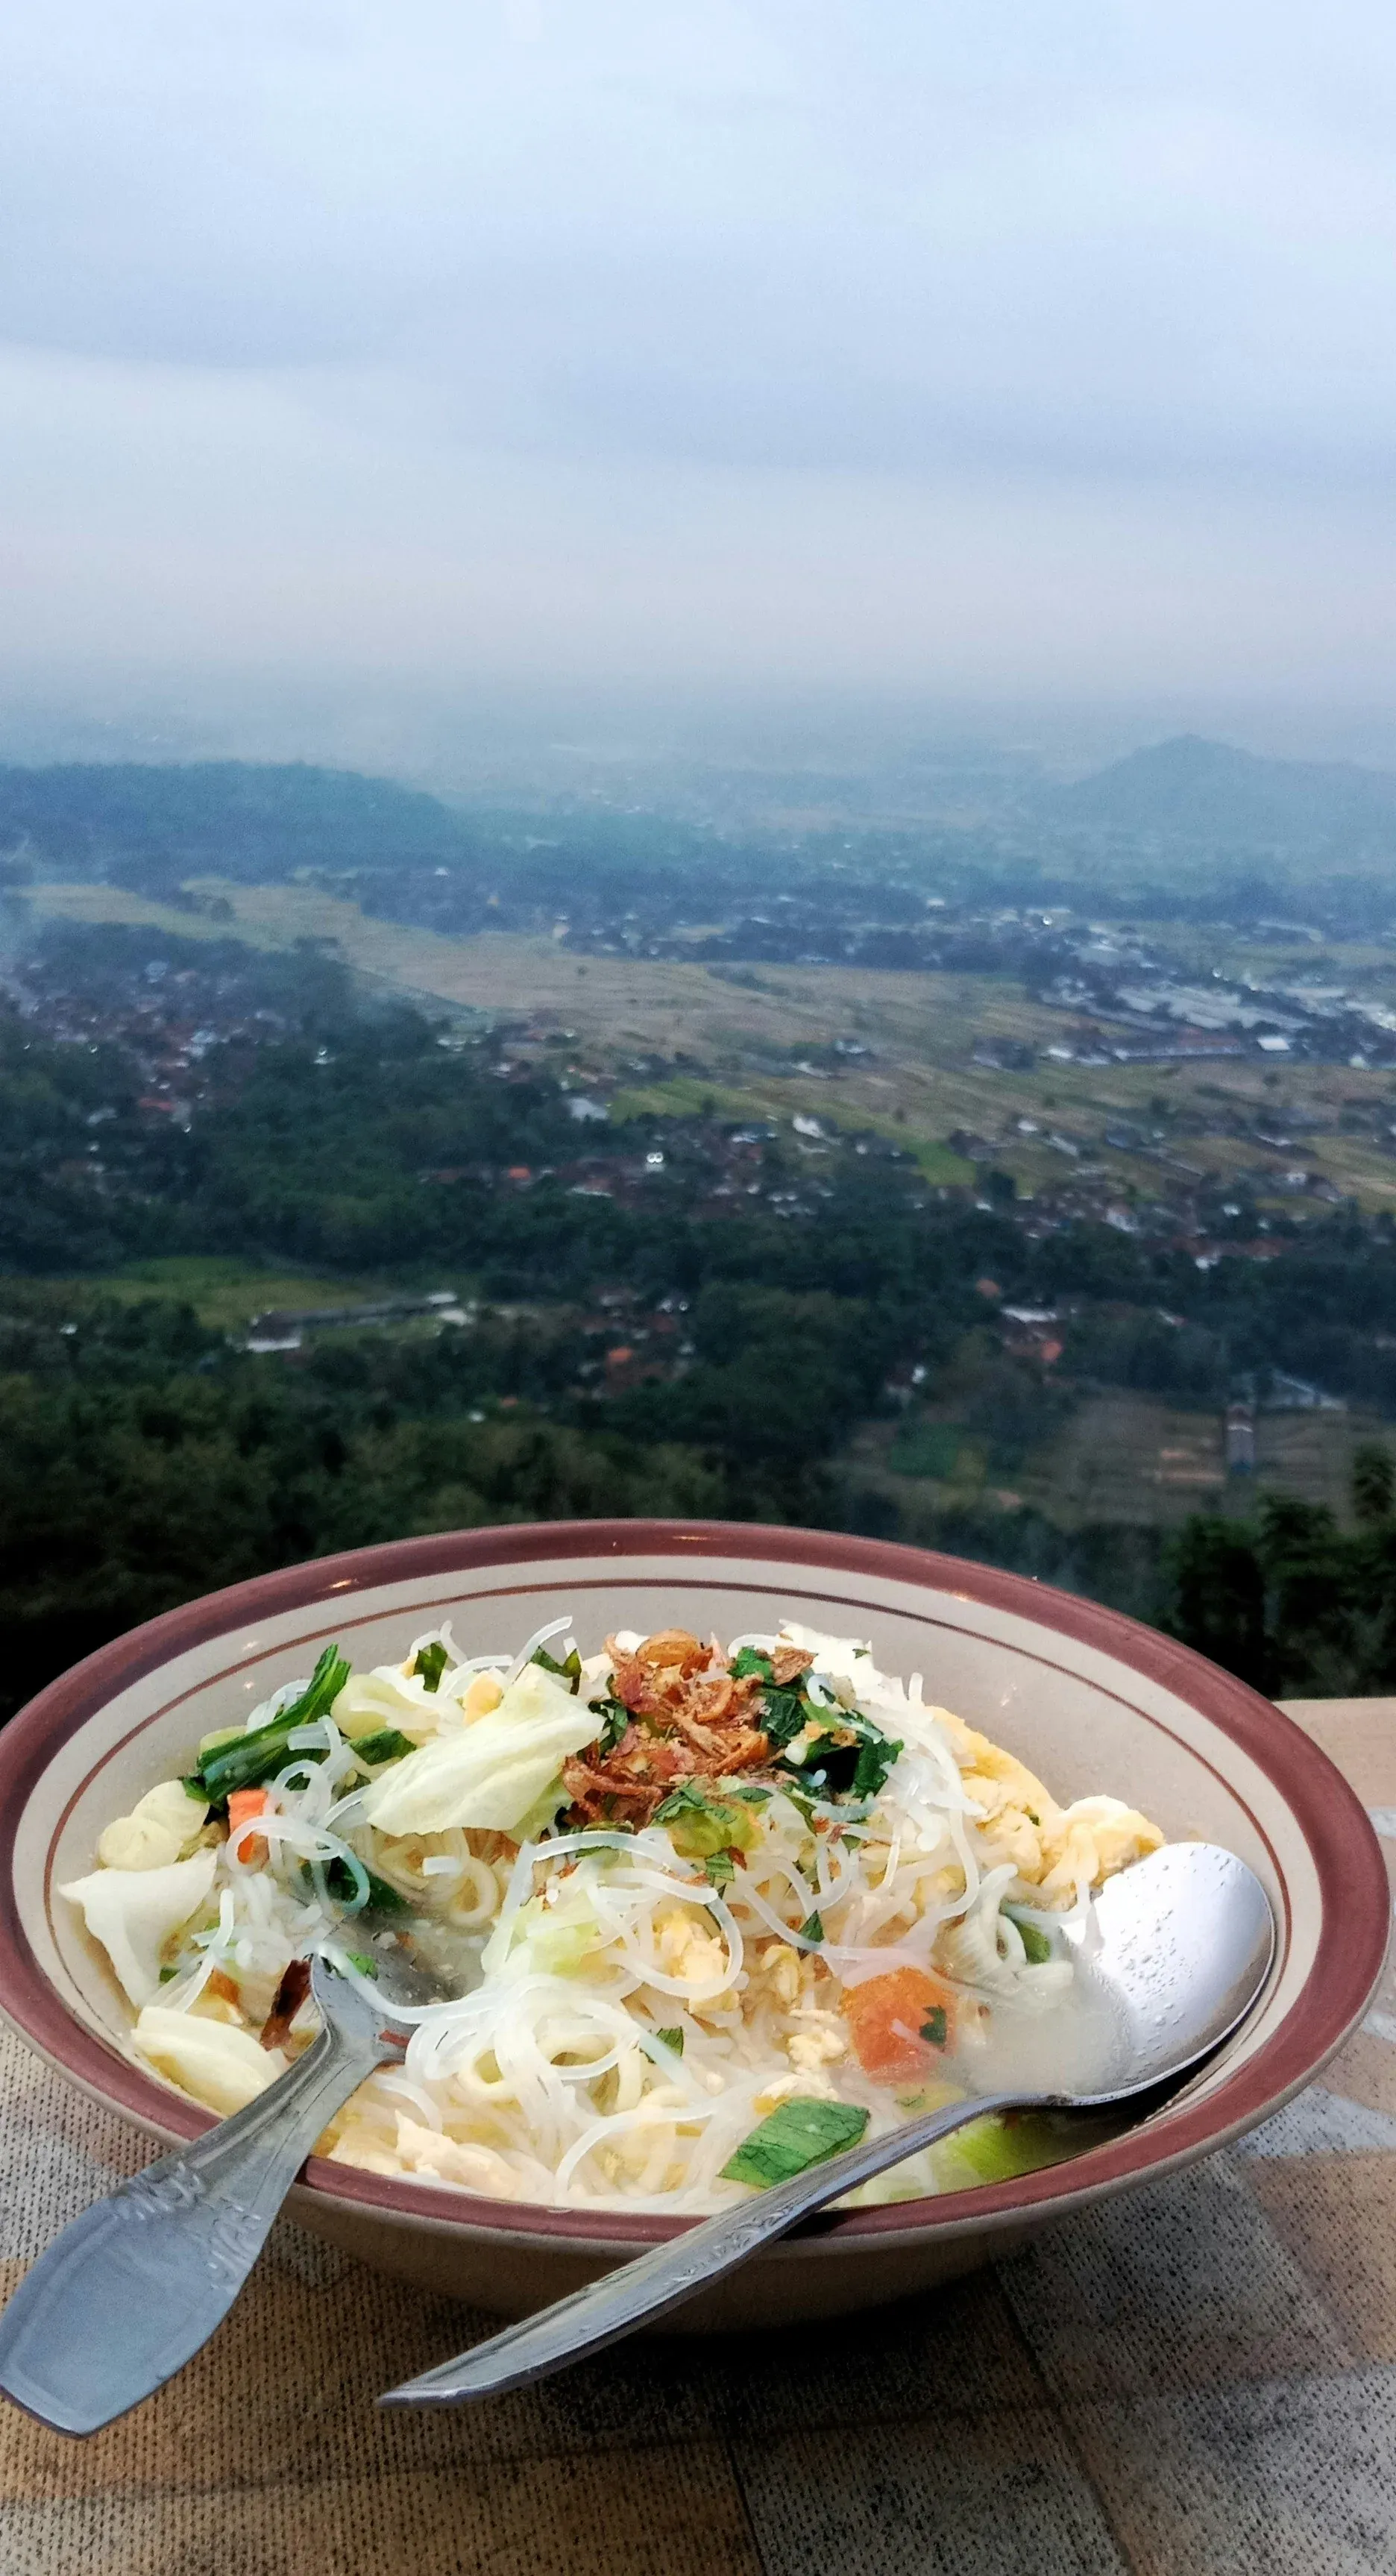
[(856, 1768), (672, 2039), (360, 1959), (431, 1662), (1036, 1942), (382, 1899), (570, 1671), (797, 2134), (935, 2027), (812, 1928), (167, 1975), (261, 1751), (719, 1869), (784, 1714), (876, 1755), (386, 1746), (750, 1660)]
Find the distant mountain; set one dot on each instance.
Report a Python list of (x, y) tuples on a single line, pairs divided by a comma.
[(1197, 791), (152, 827)]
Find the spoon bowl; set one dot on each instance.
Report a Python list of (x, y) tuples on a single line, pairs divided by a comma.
[(1177, 1950)]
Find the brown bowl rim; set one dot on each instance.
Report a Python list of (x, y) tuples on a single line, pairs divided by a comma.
[(1351, 1874)]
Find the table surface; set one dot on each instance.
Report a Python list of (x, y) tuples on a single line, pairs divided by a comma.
[(1195, 2379)]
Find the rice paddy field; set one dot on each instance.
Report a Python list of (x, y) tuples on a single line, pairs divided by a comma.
[(764, 1047)]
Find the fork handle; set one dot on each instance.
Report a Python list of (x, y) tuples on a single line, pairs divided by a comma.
[(128, 2293)]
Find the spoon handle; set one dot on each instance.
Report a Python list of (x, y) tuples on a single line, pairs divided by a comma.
[(609, 2308), (128, 2293)]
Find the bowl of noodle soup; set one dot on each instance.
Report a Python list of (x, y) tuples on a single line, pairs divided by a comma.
[(821, 1858)]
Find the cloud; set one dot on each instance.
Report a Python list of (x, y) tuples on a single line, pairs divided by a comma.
[(788, 336)]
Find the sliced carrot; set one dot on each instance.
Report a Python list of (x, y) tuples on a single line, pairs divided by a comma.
[(243, 1804), (900, 2022)]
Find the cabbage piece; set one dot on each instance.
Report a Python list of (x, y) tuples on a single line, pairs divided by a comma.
[(163, 1826), (133, 1912), (390, 1697), (219, 2065), (998, 2150), (702, 1822), (553, 1940), (542, 1812), (490, 1775)]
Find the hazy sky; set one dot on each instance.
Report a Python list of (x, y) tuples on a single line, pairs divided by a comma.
[(974, 349)]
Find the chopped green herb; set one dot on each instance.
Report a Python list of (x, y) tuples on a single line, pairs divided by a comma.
[(812, 1929), (259, 1752), (431, 1663), (749, 1794), (719, 1868), (386, 1746), (570, 1671), (688, 1798), (750, 1660), (797, 2134), (360, 1959), (167, 1975), (935, 2027), (1036, 1942), (614, 1721), (672, 2039), (1032, 1819)]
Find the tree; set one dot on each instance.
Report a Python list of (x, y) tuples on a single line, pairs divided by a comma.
[(1219, 1598), (1373, 1482)]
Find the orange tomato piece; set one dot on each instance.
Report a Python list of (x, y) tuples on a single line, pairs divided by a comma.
[(243, 1805), (900, 2022)]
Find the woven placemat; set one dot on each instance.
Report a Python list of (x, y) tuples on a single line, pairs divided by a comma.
[(1192, 2380)]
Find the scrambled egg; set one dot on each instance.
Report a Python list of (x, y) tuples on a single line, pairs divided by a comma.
[(687, 1950), (1051, 1847)]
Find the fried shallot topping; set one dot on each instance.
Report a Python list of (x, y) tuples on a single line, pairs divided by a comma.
[(286, 2003), (789, 1664), (688, 1715)]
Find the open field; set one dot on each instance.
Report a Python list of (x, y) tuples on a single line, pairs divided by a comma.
[(225, 1293), (1123, 1458), (747, 1045)]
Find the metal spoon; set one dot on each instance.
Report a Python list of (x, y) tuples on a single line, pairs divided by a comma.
[(1179, 1947), (135, 2286)]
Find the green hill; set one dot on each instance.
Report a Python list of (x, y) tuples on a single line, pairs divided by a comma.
[(152, 827), (1190, 790)]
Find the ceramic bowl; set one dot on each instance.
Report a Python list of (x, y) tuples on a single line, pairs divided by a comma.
[(1088, 1699)]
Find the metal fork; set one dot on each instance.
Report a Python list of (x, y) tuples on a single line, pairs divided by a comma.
[(135, 2286)]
